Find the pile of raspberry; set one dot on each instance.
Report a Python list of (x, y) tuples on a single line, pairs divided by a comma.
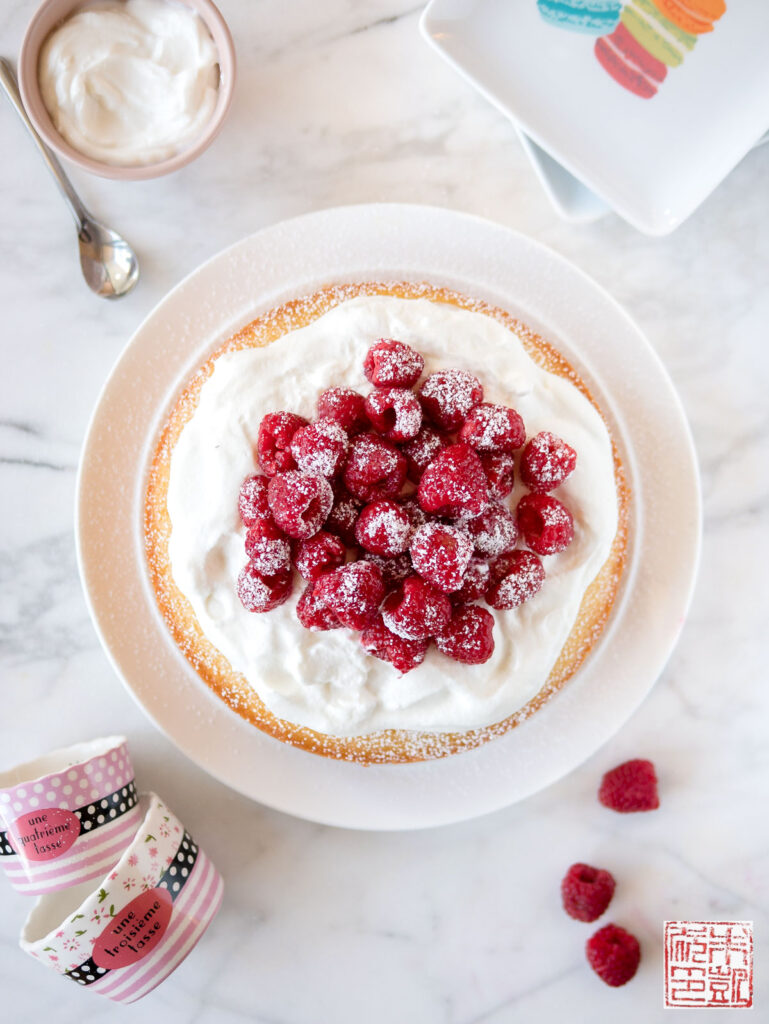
[(391, 506)]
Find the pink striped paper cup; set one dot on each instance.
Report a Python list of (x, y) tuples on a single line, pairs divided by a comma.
[(126, 935), (66, 817)]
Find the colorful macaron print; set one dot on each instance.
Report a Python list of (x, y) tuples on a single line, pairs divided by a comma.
[(594, 17)]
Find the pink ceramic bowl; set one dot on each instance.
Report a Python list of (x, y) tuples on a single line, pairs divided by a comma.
[(50, 14)]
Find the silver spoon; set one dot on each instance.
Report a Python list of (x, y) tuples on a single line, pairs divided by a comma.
[(108, 262)]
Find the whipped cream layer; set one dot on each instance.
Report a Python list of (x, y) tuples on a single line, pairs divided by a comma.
[(325, 680)]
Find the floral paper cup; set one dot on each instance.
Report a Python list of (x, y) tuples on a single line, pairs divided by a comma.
[(124, 936), (66, 817)]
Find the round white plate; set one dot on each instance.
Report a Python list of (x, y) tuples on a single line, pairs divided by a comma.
[(387, 242)]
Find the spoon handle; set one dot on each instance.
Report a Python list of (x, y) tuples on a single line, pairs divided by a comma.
[(9, 83)]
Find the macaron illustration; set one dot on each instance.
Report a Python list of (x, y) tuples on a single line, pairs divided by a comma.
[(593, 17), (695, 16)]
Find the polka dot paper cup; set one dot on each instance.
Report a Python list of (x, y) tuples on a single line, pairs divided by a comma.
[(125, 935), (66, 817)]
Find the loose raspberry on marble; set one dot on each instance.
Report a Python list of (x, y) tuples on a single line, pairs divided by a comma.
[(375, 468), (300, 502), (261, 593), (393, 364), (494, 531), (454, 484), (515, 577), (416, 610), (546, 524), (614, 955), (353, 592), (313, 613), (447, 396), (546, 462), (586, 892), (420, 452), (320, 447), (345, 407), (273, 441), (401, 653), (383, 528), (252, 499), (394, 570), (493, 428), (343, 516), (267, 547), (475, 582), (441, 554), (395, 413), (318, 555), (631, 786), (500, 473), (469, 635)]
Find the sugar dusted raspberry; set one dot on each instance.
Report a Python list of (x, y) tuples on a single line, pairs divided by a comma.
[(546, 461), (475, 582), (260, 593), (441, 554), (401, 653), (500, 473), (454, 483), (417, 610), (494, 531), (313, 613), (586, 892), (375, 468), (546, 524), (320, 447), (420, 452), (268, 548), (252, 499), (395, 413), (345, 407), (515, 577), (274, 441), (353, 592), (383, 528), (493, 428), (631, 786), (469, 635), (300, 502), (343, 516), (318, 555), (393, 364), (394, 570), (614, 954), (447, 396), (417, 515)]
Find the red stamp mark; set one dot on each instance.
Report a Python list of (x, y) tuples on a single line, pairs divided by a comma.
[(708, 963)]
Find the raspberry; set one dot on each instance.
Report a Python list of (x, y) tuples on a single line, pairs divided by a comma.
[(375, 469), (420, 452), (391, 363), (252, 500), (417, 515), (416, 610), (475, 582), (268, 548), (260, 593), (493, 428), (586, 892), (500, 473), (546, 462), (318, 555), (515, 577), (447, 396), (614, 954), (395, 413), (469, 635), (383, 528), (320, 447), (402, 654), (547, 525), (313, 613), (394, 570), (353, 592), (345, 407), (454, 483), (631, 786), (300, 502), (343, 516), (494, 531), (441, 554), (274, 440)]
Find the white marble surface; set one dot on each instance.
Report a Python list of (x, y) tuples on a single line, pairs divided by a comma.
[(341, 102)]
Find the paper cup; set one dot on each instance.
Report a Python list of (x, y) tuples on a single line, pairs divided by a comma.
[(124, 936), (66, 817)]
